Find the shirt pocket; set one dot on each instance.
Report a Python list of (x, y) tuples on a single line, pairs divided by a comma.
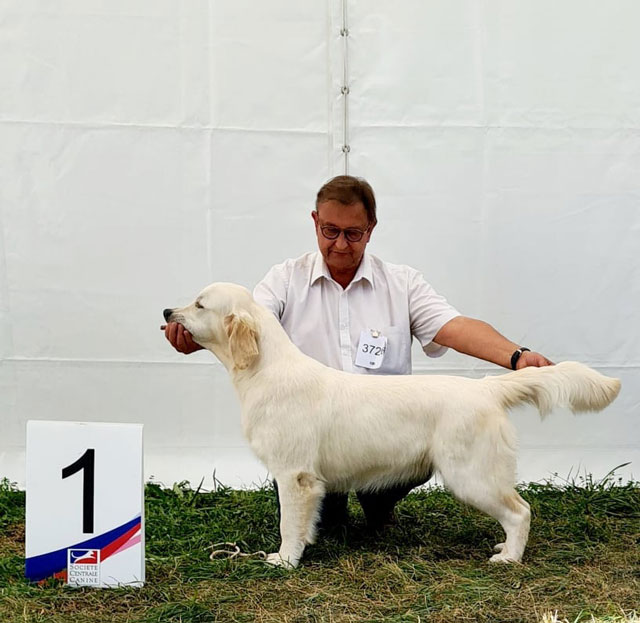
[(397, 357)]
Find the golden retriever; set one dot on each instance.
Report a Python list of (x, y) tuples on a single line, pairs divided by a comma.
[(319, 430)]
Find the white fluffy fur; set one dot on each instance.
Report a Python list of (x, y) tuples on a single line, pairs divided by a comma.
[(318, 429)]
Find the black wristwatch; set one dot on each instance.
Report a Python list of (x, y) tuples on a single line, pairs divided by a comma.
[(516, 355)]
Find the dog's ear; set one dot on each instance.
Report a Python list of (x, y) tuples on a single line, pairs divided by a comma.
[(242, 332)]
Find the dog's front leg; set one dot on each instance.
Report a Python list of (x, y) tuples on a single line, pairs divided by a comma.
[(300, 495)]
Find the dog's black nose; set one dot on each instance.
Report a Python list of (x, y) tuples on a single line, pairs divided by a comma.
[(167, 313)]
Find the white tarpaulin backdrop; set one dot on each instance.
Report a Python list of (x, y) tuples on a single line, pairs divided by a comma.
[(148, 148)]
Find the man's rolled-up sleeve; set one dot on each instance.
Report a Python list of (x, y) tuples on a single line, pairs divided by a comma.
[(428, 312), (271, 292)]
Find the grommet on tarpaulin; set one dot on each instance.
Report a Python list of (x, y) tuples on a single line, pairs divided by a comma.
[(344, 90), (346, 149)]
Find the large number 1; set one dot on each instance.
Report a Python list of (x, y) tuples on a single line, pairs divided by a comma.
[(87, 462)]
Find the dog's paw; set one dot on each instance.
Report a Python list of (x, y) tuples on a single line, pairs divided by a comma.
[(503, 558), (277, 561), (498, 547)]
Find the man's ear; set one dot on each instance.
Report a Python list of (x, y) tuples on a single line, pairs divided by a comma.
[(242, 332), (371, 231)]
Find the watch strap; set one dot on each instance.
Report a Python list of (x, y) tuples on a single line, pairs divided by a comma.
[(516, 355)]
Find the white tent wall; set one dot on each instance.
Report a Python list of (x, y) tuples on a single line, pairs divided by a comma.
[(148, 148)]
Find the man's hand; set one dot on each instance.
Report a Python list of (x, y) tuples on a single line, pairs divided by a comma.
[(180, 338), (532, 359)]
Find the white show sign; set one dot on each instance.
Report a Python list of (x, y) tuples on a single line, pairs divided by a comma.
[(85, 504)]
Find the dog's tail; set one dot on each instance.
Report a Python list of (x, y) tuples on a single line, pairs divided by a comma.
[(568, 384)]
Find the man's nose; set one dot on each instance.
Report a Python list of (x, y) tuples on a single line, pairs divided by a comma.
[(167, 313), (341, 241)]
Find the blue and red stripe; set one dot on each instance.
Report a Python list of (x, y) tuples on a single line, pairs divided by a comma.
[(46, 565)]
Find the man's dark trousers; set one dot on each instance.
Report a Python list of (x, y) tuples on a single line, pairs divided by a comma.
[(378, 506)]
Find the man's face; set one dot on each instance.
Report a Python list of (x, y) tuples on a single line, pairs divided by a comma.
[(341, 255)]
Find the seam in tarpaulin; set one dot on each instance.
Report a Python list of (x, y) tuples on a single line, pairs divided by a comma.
[(6, 333), (216, 363), (321, 132), (494, 126), (150, 126), (344, 33), (106, 362), (209, 215)]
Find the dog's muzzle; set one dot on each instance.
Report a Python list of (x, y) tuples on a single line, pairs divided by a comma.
[(167, 314)]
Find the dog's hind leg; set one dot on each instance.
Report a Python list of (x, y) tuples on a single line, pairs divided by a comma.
[(515, 520), (504, 505), (484, 476), (300, 494)]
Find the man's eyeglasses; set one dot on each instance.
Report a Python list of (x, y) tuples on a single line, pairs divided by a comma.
[(330, 232)]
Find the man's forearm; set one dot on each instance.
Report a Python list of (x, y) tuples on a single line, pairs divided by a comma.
[(478, 339)]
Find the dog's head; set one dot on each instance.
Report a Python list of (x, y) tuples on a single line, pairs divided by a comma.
[(221, 319)]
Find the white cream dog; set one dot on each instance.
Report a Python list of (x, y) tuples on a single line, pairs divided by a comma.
[(319, 430)]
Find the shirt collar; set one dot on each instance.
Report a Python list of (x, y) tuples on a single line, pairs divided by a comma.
[(320, 269)]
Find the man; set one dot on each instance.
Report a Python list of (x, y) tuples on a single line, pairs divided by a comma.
[(354, 312)]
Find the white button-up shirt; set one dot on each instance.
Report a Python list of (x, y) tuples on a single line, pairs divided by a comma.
[(325, 321)]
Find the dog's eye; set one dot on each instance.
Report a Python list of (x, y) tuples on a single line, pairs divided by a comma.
[(198, 306)]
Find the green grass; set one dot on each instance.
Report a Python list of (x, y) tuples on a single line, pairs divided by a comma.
[(582, 561)]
